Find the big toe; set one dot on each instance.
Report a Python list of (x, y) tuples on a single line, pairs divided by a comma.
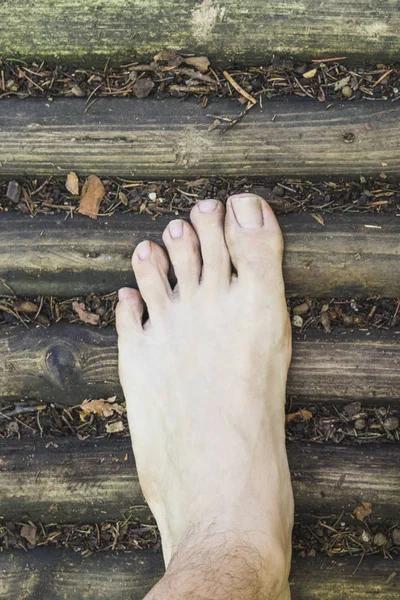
[(255, 242)]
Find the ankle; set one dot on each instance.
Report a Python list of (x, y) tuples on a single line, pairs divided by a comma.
[(225, 565)]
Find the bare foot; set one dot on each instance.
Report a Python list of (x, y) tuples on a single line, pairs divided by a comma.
[(204, 380)]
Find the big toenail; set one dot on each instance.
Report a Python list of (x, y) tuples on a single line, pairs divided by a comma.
[(176, 229), (207, 206), (144, 250), (248, 211)]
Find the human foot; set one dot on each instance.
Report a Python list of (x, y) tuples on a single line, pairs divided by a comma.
[(204, 379)]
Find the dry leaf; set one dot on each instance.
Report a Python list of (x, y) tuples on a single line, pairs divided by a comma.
[(143, 87), (310, 74), (115, 427), (201, 63), (84, 315), (72, 183), (325, 321), (93, 192), (103, 408), (363, 511), (26, 306), (300, 415), (29, 532), (169, 56)]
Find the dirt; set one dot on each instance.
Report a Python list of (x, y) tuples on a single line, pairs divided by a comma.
[(51, 196), (169, 75), (334, 535), (351, 424)]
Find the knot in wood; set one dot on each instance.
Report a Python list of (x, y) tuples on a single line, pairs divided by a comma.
[(61, 364)]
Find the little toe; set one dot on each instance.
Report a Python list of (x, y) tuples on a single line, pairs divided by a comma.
[(151, 265), (207, 218), (255, 241), (129, 312), (183, 248)]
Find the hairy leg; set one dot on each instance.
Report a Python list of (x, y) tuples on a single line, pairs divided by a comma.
[(204, 380)]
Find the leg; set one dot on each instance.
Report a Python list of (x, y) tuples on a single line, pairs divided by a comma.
[(204, 380)]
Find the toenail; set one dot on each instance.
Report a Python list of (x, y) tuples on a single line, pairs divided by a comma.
[(248, 211), (121, 294), (144, 250), (176, 229), (207, 206)]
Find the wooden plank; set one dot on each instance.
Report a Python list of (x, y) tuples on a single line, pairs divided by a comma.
[(170, 138), (229, 31), (68, 363), (49, 574), (79, 481), (356, 255)]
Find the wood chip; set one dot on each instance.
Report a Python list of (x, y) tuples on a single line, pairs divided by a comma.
[(115, 427), (26, 306), (72, 183), (299, 416), (29, 532), (238, 88), (310, 74), (93, 192)]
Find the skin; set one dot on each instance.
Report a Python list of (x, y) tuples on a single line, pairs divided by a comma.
[(204, 378)]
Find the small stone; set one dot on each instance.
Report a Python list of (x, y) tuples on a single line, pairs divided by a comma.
[(380, 539), (396, 536), (152, 196), (301, 309), (14, 191), (347, 91), (360, 424), (297, 321), (279, 191), (354, 305), (391, 423), (143, 87), (101, 311)]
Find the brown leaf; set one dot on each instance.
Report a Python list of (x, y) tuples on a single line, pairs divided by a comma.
[(363, 511), (300, 415), (26, 306), (103, 408), (93, 192), (84, 315), (325, 321), (72, 183), (29, 532), (143, 87), (201, 63), (115, 427)]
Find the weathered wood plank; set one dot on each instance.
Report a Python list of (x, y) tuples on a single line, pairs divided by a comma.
[(351, 256), (228, 30), (169, 138), (90, 481), (45, 574), (68, 363)]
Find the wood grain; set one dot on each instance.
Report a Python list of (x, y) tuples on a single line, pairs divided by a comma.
[(353, 255), (228, 31), (49, 574), (68, 363), (79, 481), (168, 138)]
